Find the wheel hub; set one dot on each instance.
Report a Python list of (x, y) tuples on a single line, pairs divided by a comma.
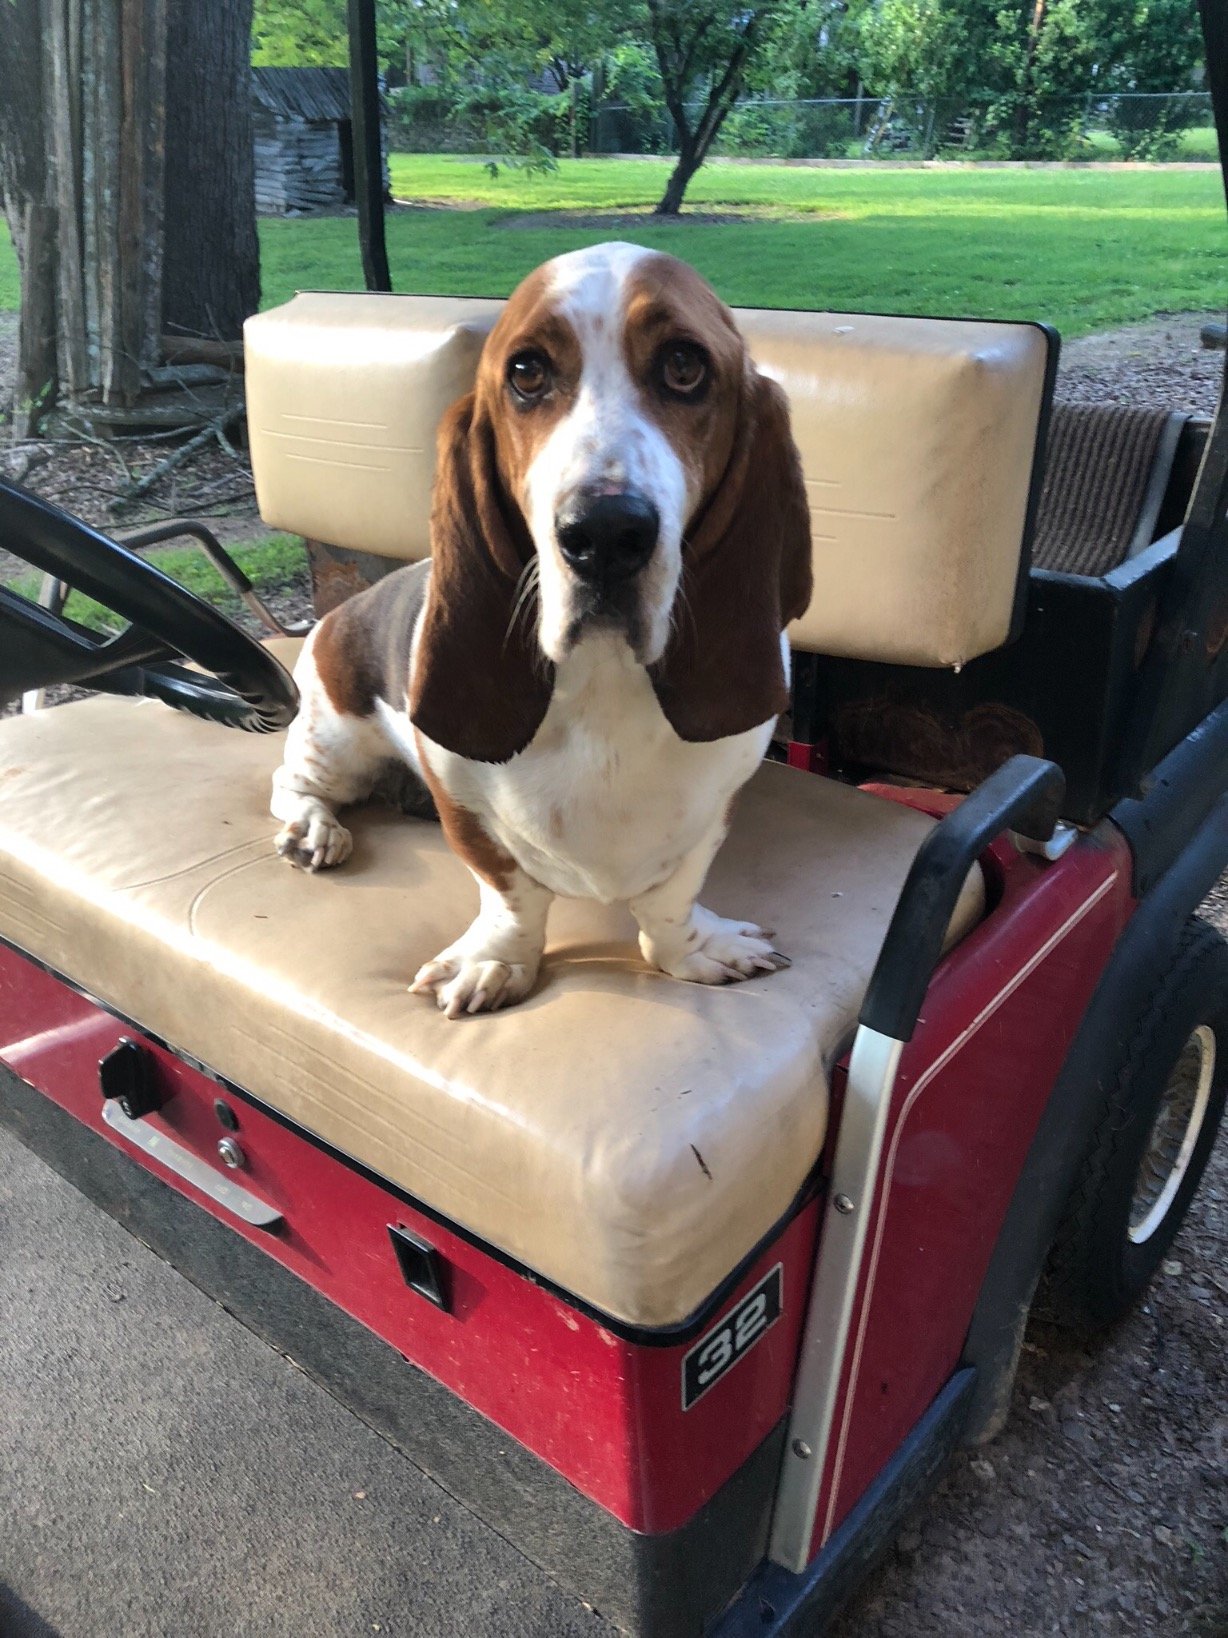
[(1174, 1134)]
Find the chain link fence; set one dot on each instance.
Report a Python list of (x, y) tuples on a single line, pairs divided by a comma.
[(1175, 126)]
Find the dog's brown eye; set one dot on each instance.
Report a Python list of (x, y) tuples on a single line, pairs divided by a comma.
[(684, 368), (529, 375)]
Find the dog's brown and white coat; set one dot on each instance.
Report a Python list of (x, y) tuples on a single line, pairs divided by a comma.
[(591, 664)]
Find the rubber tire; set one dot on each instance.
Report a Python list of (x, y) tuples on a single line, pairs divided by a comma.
[(1095, 1273)]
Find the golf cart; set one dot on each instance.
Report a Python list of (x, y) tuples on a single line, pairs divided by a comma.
[(687, 1292)]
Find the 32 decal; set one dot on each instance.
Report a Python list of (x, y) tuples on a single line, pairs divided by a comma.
[(731, 1338)]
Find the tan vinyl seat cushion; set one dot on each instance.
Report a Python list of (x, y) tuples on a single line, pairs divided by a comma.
[(136, 858), (918, 438)]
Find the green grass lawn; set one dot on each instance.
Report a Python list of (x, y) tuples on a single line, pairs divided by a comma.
[(272, 564), (1081, 249)]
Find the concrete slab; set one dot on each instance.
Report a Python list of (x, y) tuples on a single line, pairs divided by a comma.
[(162, 1471)]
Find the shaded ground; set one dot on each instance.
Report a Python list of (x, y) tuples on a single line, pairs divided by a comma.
[(1102, 1508), (163, 1472), (621, 221)]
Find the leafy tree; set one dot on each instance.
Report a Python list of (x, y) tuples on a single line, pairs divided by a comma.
[(1045, 56), (813, 53), (488, 54), (314, 33), (299, 34), (501, 43), (707, 50), (628, 113), (1050, 54), (1150, 46), (934, 50), (1033, 62)]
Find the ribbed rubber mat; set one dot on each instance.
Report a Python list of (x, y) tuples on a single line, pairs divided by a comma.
[(1097, 473)]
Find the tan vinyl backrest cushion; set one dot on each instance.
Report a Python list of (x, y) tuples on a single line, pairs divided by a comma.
[(344, 397), (917, 437)]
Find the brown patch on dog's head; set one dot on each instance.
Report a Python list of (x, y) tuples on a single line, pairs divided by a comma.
[(529, 325), (670, 305)]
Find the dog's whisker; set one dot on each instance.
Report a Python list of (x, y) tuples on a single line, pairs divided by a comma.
[(680, 606), (527, 591), (528, 604), (530, 588)]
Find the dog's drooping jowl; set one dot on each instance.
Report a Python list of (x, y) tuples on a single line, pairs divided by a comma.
[(590, 666)]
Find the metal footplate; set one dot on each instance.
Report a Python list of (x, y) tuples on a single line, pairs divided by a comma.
[(191, 1168)]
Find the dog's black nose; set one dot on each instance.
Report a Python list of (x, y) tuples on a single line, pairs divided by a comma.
[(608, 537)]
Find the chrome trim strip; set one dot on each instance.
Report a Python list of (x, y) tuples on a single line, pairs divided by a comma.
[(52, 595), (915, 1091), (1204, 1036), (191, 1168), (863, 1123), (874, 1060)]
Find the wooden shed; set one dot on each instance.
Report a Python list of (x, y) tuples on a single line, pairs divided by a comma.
[(304, 140)]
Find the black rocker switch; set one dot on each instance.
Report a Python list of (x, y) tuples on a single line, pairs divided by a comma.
[(421, 1265), (127, 1075)]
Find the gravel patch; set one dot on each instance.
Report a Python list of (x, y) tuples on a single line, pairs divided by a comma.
[(1159, 364)]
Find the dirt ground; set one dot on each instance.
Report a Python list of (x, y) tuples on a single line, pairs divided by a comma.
[(1103, 1507)]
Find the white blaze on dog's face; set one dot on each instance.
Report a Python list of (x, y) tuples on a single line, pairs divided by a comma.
[(612, 380)]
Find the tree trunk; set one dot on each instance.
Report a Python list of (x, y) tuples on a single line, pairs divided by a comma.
[(693, 147), (677, 75), (689, 161), (103, 113), (25, 185), (1024, 107), (35, 387), (210, 260), (83, 127)]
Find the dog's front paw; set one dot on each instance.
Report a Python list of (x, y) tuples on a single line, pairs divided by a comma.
[(315, 841), (717, 952), (463, 984)]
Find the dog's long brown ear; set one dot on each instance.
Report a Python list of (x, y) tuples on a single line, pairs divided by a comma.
[(745, 574), (481, 685)]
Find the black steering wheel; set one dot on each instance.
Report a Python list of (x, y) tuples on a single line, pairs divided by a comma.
[(244, 687)]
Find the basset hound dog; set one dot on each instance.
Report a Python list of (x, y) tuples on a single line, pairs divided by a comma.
[(590, 665)]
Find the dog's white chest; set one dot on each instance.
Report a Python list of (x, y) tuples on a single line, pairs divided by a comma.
[(606, 800)]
